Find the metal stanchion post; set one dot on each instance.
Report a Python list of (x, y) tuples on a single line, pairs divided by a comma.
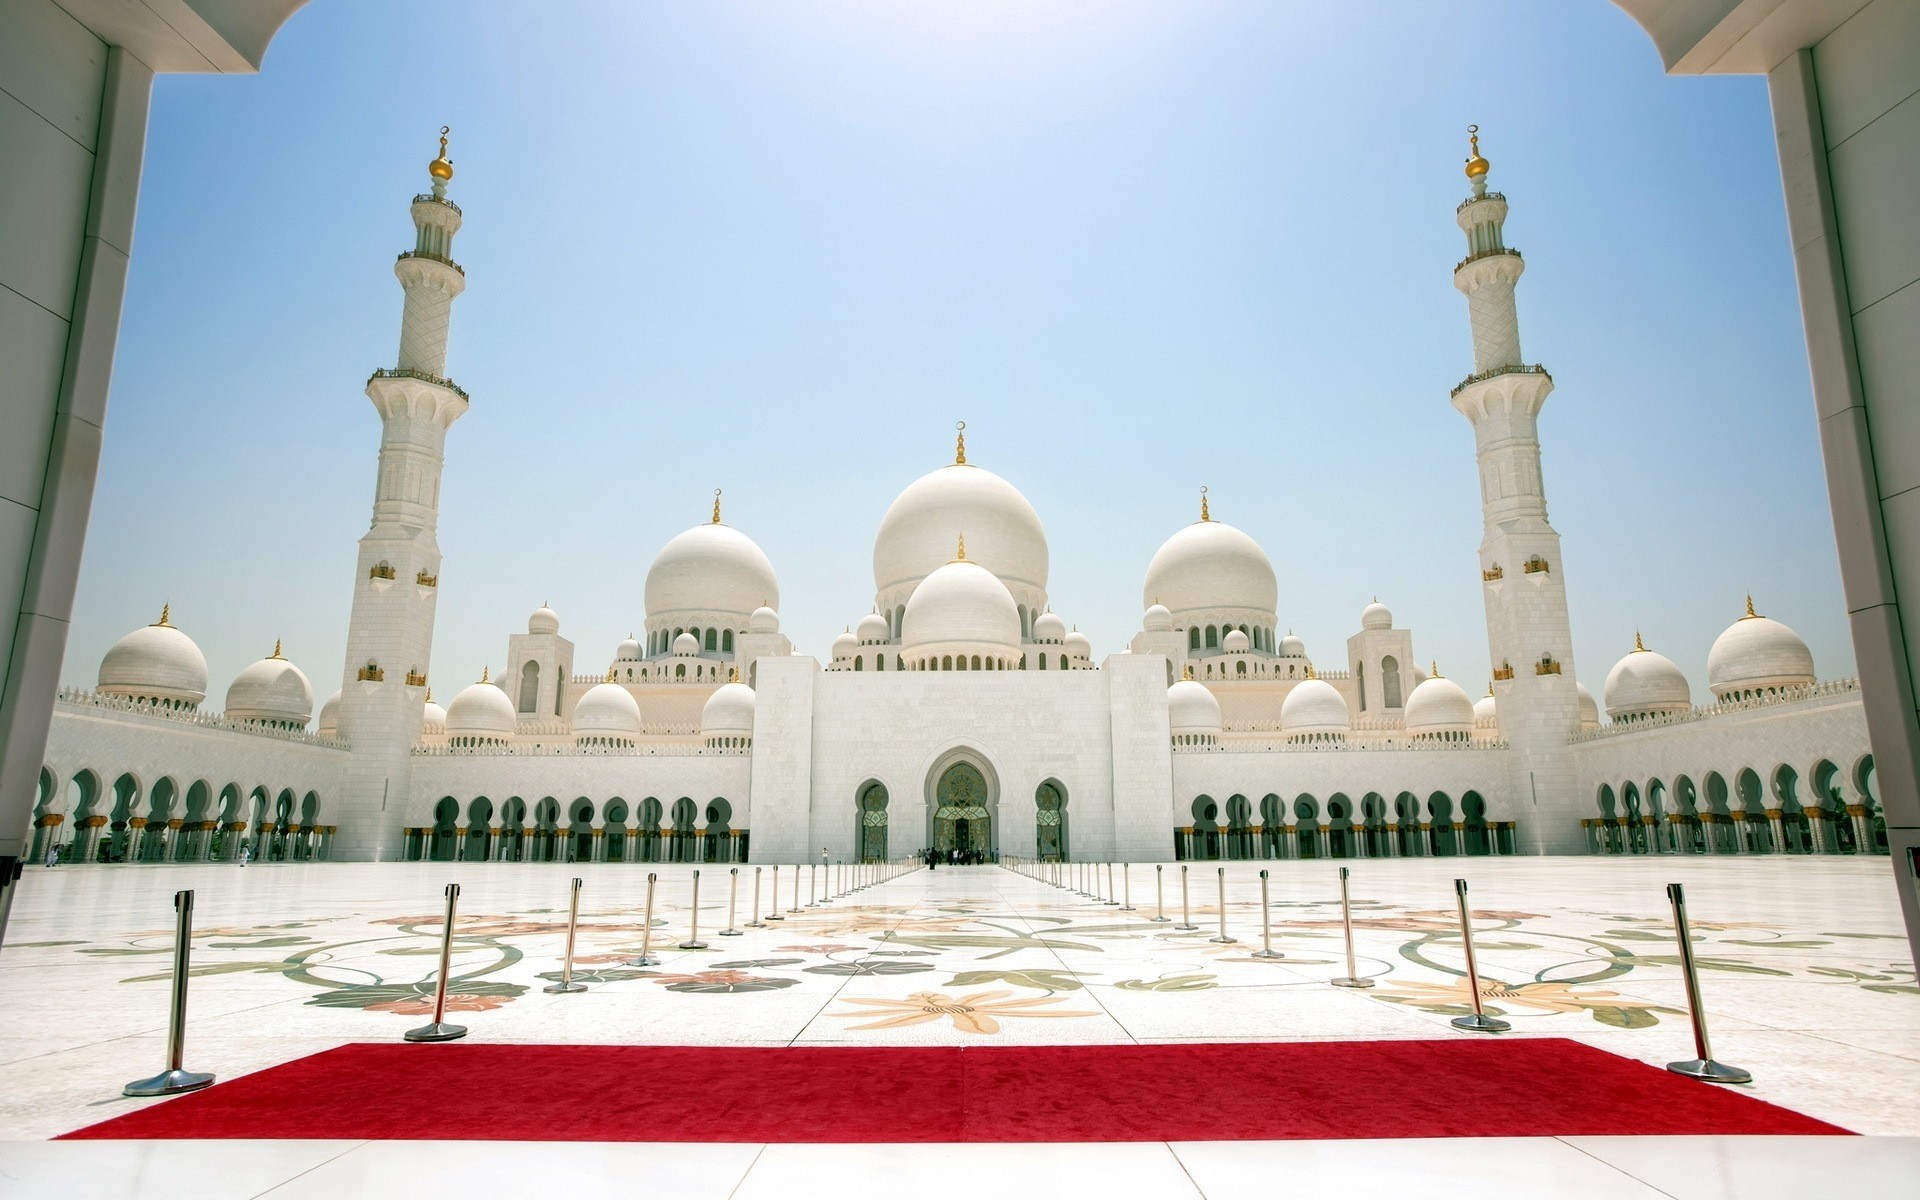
[(1186, 915), (1110, 900), (796, 889), (813, 885), (1477, 1020), (646, 959), (756, 923), (1702, 1066), (773, 914), (1266, 949), (176, 1079), (1222, 937), (693, 941), (437, 1030), (566, 984), (733, 899), (1159, 893), (1126, 887), (1352, 978)]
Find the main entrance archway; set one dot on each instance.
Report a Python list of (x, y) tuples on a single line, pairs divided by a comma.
[(962, 810)]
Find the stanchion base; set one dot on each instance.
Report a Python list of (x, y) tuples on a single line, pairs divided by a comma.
[(693, 945), (643, 960), (729, 933), (756, 924), (775, 917), (1349, 981), (1480, 1023), (168, 1083), (1268, 954), (437, 1031), (1113, 904), (1160, 920), (1223, 940), (1699, 1068), (1128, 908), (564, 989), (1186, 928)]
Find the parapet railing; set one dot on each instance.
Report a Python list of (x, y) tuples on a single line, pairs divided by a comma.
[(1507, 369), (1703, 712), (82, 698), (422, 376)]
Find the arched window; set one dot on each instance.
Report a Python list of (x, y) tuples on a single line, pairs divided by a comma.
[(680, 671), (1213, 636), (859, 661), (1390, 680), (1360, 677), (712, 640), (530, 688), (1193, 638), (946, 662), (1063, 662), (879, 662), (726, 640), (1043, 661), (1240, 668), (976, 662)]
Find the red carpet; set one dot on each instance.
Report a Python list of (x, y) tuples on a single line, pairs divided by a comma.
[(1417, 1089)]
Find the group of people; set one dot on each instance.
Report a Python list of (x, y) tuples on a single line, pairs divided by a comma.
[(955, 857)]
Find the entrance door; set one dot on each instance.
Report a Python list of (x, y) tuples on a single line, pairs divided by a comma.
[(960, 819)]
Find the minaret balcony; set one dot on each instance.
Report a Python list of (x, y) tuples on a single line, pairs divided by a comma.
[(422, 376), (430, 198), (1469, 259), (1496, 372), (443, 260)]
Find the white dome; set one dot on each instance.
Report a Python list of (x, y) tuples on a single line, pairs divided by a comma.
[(1438, 705), (480, 710), (329, 723), (543, 621), (1292, 647), (1589, 707), (961, 602), (1756, 653), (272, 690), (1191, 708), (1049, 628), (763, 620), (607, 710), (686, 644), (1314, 706), (155, 662), (1210, 564), (1645, 682), (432, 717), (845, 645), (728, 710), (1376, 616), (628, 651), (1158, 619), (1236, 642), (1079, 645), (873, 628), (710, 568), (1485, 710), (920, 529)]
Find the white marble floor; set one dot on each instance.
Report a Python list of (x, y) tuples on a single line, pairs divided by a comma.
[(1807, 978)]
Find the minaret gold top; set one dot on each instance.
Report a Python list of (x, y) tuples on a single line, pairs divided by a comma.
[(961, 554), (960, 444), (442, 168), (716, 506), (1476, 166), (1206, 514)]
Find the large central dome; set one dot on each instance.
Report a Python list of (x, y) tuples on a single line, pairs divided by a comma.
[(1211, 565), (711, 568), (919, 532)]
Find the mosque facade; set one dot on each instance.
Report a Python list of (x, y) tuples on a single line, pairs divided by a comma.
[(961, 712)]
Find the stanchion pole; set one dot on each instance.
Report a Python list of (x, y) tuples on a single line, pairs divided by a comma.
[(1111, 902), (1477, 1021), (175, 1079), (773, 914), (693, 941), (646, 958), (1266, 949), (1186, 915), (1352, 978), (756, 923), (1222, 936), (566, 984), (813, 885), (437, 1030), (1126, 887), (733, 899), (796, 889), (1159, 893), (1702, 1065)]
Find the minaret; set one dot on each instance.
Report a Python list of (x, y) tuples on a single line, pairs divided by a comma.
[(390, 636), (1520, 568)]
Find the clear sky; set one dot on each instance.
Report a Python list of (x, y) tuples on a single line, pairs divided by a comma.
[(780, 248)]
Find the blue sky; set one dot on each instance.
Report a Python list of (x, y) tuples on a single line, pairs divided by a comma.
[(781, 248)]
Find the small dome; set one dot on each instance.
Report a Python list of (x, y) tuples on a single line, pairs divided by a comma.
[(273, 691), (1236, 642), (329, 723), (481, 710), (607, 710), (763, 620), (543, 621), (1589, 708), (1211, 565), (1438, 707), (1376, 616), (1645, 683), (845, 645), (155, 662), (686, 644), (433, 718), (1079, 645), (628, 651), (710, 568), (1314, 707), (1757, 654), (1158, 619), (961, 602), (728, 711), (1484, 710), (1192, 709), (873, 629), (1049, 629), (1292, 647)]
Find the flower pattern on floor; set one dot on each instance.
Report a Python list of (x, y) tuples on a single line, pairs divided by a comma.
[(978, 1012)]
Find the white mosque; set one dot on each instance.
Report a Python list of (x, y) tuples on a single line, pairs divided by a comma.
[(961, 712)]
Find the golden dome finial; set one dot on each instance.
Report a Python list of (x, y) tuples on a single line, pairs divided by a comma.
[(609, 674), (1310, 674), (1476, 166), (1489, 687), (1186, 672), (485, 673), (960, 444), (733, 674), (276, 649), (1433, 669), (442, 168), (1750, 612), (716, 506), (166, 610), (961, 554), (429, 695), (1639, 647), (1206, 514)]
